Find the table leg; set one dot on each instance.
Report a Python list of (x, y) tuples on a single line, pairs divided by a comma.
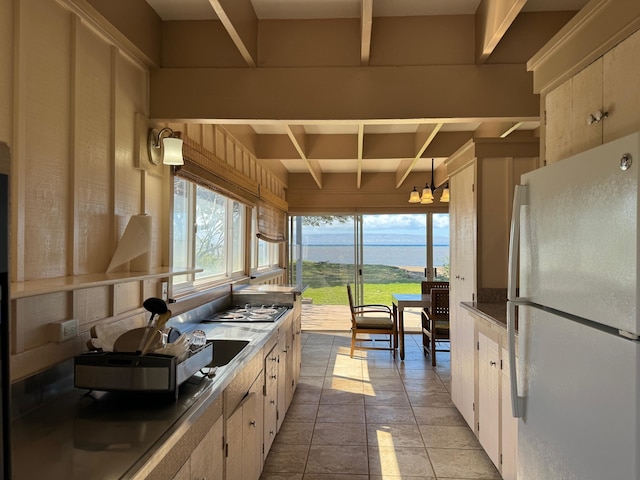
[(399, 313)]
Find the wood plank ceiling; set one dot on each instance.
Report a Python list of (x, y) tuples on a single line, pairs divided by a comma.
[(306, 135)]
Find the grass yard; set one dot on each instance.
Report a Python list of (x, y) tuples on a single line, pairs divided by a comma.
[(374, 293), (327, 282)]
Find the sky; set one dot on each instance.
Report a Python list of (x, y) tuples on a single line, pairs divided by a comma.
[(405, 225)]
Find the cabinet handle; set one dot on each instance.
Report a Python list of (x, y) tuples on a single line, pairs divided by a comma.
[(271, 433), (273, 402), (596, 117), (252, 423), (273, 376), (492, 363)]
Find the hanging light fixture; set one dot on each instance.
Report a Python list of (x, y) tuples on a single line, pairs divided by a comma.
[(445, 194), (426, 197), (414, 197)]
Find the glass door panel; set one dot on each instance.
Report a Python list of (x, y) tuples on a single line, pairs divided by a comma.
[(394, 255), (378, 254)]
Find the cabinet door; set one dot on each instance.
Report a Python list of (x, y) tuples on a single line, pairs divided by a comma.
[(621, 89), (270, 399), (207, 458), (234, 445), (488, 397), (244, 438), (509, 425), (289, 370), (586, 99), (567, 109), (463, 382), (557, 105), (253, 433), (282, 378), (462, 222)]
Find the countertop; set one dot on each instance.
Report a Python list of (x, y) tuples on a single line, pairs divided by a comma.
[(493, 312), (84, 436)]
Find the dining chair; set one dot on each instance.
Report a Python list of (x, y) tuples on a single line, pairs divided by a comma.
[(372, 319), (428, 285), (435, 323)]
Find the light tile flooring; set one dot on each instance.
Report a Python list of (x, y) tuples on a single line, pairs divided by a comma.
[(373, 417)]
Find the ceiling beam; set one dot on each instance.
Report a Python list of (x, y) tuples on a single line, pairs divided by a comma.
[(366, 21), (493, 19), (297, 94), (298, 137), (241, 23), (423, 137), (374, 146)]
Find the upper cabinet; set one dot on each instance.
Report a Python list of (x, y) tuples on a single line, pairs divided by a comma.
[(598, 104), (588, 76)]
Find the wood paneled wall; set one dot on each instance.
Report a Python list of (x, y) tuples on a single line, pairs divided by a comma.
[(74, 178), (76, 119)]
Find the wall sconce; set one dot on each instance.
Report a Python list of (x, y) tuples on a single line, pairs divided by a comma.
[(426, 197), (167, 149)]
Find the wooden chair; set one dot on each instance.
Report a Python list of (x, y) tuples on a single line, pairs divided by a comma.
[(372, 319), (427, 286), (435, 323)]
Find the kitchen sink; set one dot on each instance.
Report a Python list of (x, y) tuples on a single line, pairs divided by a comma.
[(226, 350)]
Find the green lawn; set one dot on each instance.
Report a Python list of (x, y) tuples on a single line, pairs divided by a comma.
[(327, 282), (374, 293)]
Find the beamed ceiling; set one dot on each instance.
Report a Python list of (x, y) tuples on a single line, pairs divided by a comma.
[(322, 87)]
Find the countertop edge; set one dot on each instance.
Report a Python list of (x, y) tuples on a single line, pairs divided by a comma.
[(495, 313)]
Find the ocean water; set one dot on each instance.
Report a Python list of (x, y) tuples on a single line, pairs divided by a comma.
[(393, 255)]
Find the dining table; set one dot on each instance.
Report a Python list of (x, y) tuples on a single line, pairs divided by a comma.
[(401, 301)]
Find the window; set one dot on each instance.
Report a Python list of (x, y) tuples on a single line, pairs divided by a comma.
[(265, 255), (208, 234)]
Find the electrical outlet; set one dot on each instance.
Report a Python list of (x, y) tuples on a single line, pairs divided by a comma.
[(165, 291), (63, 330)]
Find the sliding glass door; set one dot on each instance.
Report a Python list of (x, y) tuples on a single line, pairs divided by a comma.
[(378, 254)]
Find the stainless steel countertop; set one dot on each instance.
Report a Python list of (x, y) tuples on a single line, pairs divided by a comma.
[(112, 435)]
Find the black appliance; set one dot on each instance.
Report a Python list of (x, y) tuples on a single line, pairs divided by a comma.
[(5, 392)]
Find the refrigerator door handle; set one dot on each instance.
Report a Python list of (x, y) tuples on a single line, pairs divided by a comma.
[(517, 402), (514, 242)]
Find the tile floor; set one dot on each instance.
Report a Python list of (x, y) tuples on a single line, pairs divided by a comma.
[(373, 417)]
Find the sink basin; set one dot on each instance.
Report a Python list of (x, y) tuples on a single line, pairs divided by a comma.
[(226, 350)]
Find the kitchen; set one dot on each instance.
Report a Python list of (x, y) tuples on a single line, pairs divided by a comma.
[(79, 171)]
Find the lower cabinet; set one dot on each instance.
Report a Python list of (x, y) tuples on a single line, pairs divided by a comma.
[(207, 459), (488, 426), (244, 436), (271, 363), (483, 350), (509, 424), (282, 377), (463, 365)]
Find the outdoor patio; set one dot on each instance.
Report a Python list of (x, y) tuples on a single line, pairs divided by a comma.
[(336, 318)]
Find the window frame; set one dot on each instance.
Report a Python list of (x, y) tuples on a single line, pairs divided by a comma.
[(232, 239)]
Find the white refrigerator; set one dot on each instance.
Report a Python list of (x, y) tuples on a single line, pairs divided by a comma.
[(573, 286)]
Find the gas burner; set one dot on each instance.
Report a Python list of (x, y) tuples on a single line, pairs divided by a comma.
[(263, 311), (250, 314)]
